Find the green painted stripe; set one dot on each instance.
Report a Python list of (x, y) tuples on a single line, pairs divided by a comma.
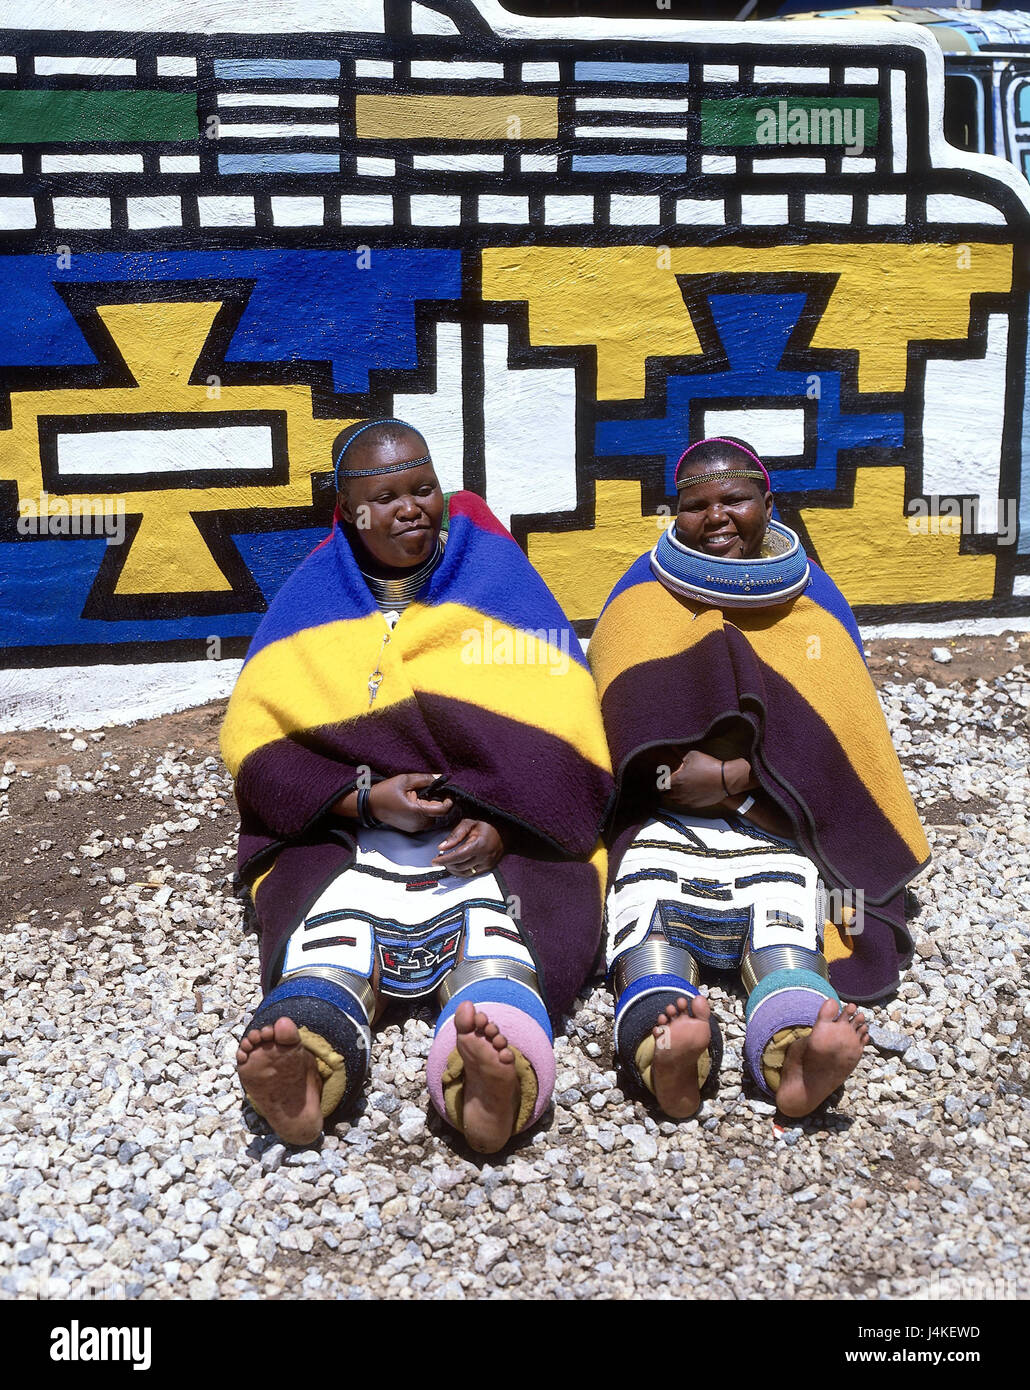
[(47, 117), (789, 124)]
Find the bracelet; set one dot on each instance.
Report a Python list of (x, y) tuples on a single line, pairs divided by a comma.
[(745, 806), (722, 774), (365, 816)]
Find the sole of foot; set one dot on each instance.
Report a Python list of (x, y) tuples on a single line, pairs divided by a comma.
[(491, 1091), (680, 1039), (280, 1076), (815, 1066)]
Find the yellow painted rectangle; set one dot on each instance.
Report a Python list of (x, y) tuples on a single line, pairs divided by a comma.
[(439, 116)]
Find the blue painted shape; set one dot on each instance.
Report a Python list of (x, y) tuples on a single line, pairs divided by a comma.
[(44, 585), (1024, 104), (632, 72), (315, 306), (289, 69), (630, 163), (754, 330), (272, 556), (279, 163)]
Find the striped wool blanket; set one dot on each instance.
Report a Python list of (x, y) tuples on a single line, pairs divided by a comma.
[(791, 679), (483, 679)]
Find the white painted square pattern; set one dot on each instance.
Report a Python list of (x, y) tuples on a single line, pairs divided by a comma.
[(709, 212), (861, 77), (887, 210), (763, 209), (568, 209), (375, 167), (435, 210), (10, 164), (772, 73), (541, 72), (298, 211), (952, 207), (853, 164), (91, 164), (829, 207), (775, 433), (180, 163), (503, 207), (172, 65), (225, 212), (164, 211), (628, 210), (93, 213), (788, 164), (8, 63), (366, 210), (539, 163), (372, 67), (718, 164), (720, 72), (17, 214), (1021, 586)]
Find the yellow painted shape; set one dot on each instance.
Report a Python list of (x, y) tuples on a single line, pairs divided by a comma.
[(320, 676), (615, 298), (160, 343), (874, 557), (582, 567), (627, 302), (439, 116)]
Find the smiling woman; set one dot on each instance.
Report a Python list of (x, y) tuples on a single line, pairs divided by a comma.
[(763, 822), (396, 833)]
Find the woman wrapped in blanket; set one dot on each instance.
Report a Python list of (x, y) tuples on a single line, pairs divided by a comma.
[(422, 776), (759, 794)]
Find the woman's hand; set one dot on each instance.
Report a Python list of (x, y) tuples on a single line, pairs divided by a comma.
[(472, 847), (702, 782), (395, 803)]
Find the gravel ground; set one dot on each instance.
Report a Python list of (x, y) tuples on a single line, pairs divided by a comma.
[(131, 1168)]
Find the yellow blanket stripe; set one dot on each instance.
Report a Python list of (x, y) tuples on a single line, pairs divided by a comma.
[(646, 623), (448, 650)]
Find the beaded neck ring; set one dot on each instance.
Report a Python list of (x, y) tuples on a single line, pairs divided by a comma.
[(374, 472)]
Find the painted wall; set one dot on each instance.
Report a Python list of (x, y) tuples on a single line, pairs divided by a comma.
[(561, 248)]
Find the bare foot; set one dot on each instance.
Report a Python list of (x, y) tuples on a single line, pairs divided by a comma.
[(680, 1040), (491, 1084), (815, 1066), (280, 1076)]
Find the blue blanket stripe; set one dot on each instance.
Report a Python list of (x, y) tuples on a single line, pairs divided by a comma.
[(480, 570)]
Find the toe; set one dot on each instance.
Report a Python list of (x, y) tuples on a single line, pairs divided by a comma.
[(499, 1041), (285, 1032), (829, 1011), (481, 1021), (267, 1033), (465, 1018), (491, 1031), (663, 1018), (241, 1056)]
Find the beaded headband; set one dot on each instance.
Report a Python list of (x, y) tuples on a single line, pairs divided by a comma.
[(374, 472), (723, 472)]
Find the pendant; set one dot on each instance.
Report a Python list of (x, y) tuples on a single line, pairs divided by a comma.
[(375, 680)]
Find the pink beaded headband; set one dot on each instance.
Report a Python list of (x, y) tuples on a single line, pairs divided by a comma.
[(721, 472)]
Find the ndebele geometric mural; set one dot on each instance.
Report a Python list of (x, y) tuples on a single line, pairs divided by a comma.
[(559, 247)]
